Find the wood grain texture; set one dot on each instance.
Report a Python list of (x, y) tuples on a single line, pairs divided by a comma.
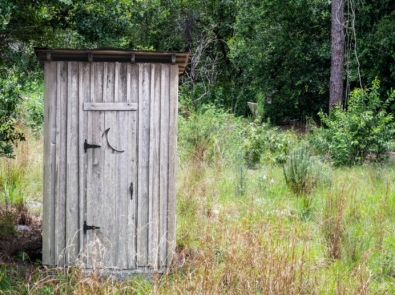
[(49, 164), (154, 165), (110, 106), (133, 97), (164, 163), (95, 198), (84, 95), (143, 164), (109, 206), (60, 185), (72, 177), (171, 209), (122, 195)]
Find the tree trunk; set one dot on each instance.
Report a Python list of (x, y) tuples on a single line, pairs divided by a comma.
[(337, 53)]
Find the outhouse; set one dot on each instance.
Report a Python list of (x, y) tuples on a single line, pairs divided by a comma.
[(110, 137)]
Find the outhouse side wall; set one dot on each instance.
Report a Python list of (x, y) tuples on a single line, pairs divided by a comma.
[(154, 87)]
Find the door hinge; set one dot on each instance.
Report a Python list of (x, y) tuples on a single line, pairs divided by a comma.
[(90, 146), (89, 227)]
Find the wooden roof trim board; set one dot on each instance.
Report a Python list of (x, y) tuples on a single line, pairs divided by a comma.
[(114, 55)]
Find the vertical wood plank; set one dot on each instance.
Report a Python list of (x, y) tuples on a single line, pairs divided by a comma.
[(172, 162), (49, 163), (164, 162), (122, 196), (60, 184), (154, 162), (95, 193), (143, 164), (88, 249), (110, 206), (132, 96), (72, 190), (84, 94)]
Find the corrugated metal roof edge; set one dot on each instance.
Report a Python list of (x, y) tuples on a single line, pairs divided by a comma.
[(114, 55)]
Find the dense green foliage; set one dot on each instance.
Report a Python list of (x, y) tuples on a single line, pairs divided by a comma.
[(9, 99), (266, 143), (364, 130)]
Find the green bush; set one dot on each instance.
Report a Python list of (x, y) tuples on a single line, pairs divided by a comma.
[(32, 108), (9, 99), (267, 143), (364, 130), (303, 172)]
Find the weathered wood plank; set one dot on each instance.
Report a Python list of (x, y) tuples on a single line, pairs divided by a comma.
[(133, 97), (88, 162), (172, 162), (123, 165), (109, 225), (60, 185), (143, 164), (50, 80), (84, 94), (95, 197), (110, 106), (154, 163), (164, 162), (72, 190)]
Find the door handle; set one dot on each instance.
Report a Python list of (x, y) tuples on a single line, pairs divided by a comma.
[(131, 190)]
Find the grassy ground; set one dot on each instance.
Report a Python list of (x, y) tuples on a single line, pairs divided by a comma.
[(243, 231)]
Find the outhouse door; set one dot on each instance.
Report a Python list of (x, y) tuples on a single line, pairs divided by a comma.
[(110, 187)]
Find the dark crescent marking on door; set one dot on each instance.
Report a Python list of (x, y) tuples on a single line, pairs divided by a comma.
[(108, 146)]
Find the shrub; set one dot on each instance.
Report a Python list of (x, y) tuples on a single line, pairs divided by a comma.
[(32, 108), (268, 142), (303, 172), (364, 130), (9, 99)]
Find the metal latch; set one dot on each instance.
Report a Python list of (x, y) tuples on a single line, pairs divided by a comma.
[(131, 190), (90, 146), (88, 227)]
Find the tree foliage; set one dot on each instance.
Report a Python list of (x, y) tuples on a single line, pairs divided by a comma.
[(364, 130), (282, 50), (9, 99)]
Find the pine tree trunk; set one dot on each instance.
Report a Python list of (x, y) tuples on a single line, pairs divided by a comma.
[(337, 52)]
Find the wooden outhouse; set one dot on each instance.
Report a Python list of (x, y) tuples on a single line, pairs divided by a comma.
[(110, 158)]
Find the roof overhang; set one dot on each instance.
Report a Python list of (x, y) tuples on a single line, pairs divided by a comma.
[(114, 55)]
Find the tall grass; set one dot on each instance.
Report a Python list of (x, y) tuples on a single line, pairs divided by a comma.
[(20, 184), (21, 177), (243, 231)]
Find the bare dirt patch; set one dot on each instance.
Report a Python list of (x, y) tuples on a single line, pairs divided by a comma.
[(21, 239)]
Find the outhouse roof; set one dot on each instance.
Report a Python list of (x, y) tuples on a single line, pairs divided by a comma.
[(114, 55)]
